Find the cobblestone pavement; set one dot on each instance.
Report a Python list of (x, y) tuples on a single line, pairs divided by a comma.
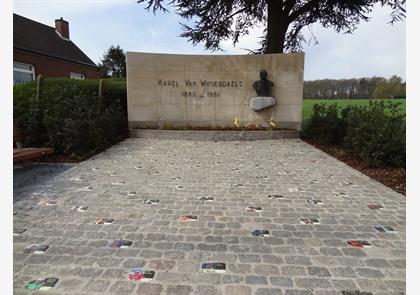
[(295, 259)]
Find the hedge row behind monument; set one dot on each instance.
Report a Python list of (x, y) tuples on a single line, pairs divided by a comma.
[(71, 116)]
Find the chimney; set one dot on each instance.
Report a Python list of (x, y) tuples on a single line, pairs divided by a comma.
[(62, 28)]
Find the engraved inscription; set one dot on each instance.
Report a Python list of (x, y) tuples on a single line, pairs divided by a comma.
[(201, 88)]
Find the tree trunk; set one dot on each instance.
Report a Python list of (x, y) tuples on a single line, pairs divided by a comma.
[(277, 27)]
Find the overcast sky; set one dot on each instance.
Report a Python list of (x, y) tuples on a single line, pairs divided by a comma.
[(375, 49)]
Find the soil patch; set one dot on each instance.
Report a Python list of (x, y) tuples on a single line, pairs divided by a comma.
[(391, 177)]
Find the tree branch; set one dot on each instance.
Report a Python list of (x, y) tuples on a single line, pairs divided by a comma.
[(303, 9), (237, 12), (288, 5)]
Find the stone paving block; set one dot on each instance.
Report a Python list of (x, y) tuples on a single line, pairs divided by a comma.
[(149, 289), (319, 272), (113, 273), (377, 263), (81, 251), (163, 246), (331, 251), (109, 262), (176, 255), (207, 290), (198, 256), (284, 250), (130, 253), (232, 279), (273, 259), (150, 254), (268, 291), (348, 261), (38, 259), (70, 284), (262, 249), (256, 280), (369, 273), (238, 290), (345, 272), (17, 267), (155, 237), (102, 253), (299, 292), (371, 284), (395, 284), (395, 274), (212, 247), (194, 238), (344, 284), (281, 281), (249, 258), (160, 264), (172, 277), (307, 251), (121, 288), (97, 286), (295, 242), (239, 248), (353, 252), (291, 270), (178, 290), (312, 283), (223, 257), (206, 278), (327, 292), (90, 272), (98, 244), (133, 263), (184, 246), (239, 268), (298, 260), (62, 260), (266, 269)]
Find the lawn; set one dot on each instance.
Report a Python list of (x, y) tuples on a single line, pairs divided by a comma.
[(308, 103)]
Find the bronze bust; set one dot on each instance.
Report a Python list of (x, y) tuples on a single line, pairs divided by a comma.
[(263, 86)]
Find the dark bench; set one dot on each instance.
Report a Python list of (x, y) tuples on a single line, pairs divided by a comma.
[(23, 154)]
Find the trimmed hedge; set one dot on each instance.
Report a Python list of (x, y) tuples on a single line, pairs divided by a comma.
[(71, 116), (374, 133)]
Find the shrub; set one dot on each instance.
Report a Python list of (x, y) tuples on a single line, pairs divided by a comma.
[(325, 126), (71, 116), (374, 133)]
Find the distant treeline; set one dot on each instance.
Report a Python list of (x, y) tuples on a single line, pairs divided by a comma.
[(375, 87)]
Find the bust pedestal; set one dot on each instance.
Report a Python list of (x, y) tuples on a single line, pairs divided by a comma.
[(261, 102)]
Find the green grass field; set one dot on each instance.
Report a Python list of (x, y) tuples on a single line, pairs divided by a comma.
[(308, 104)]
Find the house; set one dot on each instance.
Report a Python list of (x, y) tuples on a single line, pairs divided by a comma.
[(41, 49)]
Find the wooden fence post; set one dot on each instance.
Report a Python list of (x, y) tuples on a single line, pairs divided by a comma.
[(39, 87), (100, 87), (17, 135)]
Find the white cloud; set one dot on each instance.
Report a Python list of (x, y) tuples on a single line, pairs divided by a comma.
[(249, 41), (376, 48)]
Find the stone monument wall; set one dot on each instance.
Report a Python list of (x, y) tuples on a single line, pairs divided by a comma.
[(168, 90)]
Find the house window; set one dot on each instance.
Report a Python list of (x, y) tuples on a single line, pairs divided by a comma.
[(23, 73), (77, 76)]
